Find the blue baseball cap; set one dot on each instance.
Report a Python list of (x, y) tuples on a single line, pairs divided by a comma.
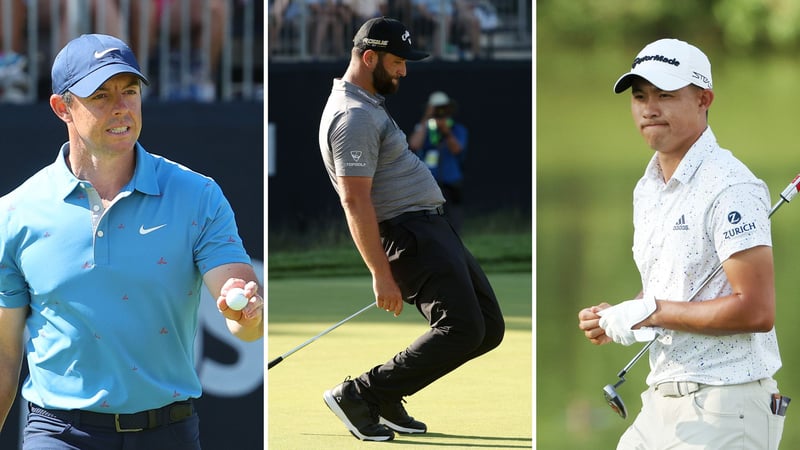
[(86, 62)]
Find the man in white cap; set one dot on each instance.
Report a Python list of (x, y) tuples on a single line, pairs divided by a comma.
[(711, 381), (103, 255), (441, 141)]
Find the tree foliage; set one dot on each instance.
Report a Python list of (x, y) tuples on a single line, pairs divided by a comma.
[(746, 26)]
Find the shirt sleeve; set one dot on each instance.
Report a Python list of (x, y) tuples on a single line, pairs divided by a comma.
[(355, 142), (13, 288), (739, 219), (219, 243)]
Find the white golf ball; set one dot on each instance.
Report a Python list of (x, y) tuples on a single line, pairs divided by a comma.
[(236, 299)]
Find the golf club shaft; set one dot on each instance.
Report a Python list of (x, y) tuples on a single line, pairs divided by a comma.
[(277, 360), (785, 197)]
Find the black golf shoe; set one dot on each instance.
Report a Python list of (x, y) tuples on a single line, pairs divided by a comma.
[(359, 416), (394, 416)]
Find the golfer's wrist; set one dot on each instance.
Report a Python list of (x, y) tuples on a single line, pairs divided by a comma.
[(652, 320)]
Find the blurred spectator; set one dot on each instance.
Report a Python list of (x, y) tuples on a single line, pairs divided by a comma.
[(136, 21), (202, 85), (277, 14), (330, 21), (448, 22), (13, 62), (75, 20), (364, 10), (402, 10), (487, 16), (441, 143), (432, 18), (466, 27)]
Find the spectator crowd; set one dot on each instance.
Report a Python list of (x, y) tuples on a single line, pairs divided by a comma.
[(440, 26), (160, 33)]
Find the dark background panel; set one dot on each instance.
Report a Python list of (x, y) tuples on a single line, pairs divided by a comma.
[(495, 103)]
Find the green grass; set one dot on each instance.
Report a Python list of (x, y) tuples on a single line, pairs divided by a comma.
[(487, 403), (500, 241), (588, 158)]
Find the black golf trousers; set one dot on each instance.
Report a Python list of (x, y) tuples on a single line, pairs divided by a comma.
[(436, 273)]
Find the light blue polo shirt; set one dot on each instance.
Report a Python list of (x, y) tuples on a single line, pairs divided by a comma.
[(114, 293)]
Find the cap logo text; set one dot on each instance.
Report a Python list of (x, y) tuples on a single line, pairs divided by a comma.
[(376, 42), (702, 78), (658, 58)]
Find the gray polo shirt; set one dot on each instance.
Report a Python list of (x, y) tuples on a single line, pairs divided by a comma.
[(357, 137)]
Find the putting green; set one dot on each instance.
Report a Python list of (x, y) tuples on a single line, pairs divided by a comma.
[(486, 403)]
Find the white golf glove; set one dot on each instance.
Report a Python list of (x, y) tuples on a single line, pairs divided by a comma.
[(618, 320)]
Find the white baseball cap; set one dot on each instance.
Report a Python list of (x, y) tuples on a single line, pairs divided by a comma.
[(438, 98), (669, 64)]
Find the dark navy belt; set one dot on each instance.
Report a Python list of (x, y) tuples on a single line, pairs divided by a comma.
[(438, 211), (144, 420)]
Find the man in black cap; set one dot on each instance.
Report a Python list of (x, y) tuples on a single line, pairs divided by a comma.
[(394, 210)]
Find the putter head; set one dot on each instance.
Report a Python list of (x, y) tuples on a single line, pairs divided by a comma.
[(615, 401)]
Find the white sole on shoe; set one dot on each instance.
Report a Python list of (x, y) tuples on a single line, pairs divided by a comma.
[(333, 405), (400, 429)]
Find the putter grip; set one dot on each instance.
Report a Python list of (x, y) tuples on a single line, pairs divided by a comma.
[(274, 362)]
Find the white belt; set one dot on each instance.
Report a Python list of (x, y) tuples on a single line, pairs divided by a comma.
[(677, 388)]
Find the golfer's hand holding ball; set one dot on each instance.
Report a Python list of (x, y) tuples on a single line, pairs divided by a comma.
[(239, 296), (618, 321), (236, 299)]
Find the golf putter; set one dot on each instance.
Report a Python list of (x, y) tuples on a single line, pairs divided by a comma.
[(610, 391), (277, 360)]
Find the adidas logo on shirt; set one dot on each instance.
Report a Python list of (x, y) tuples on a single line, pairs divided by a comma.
[(681, 224)]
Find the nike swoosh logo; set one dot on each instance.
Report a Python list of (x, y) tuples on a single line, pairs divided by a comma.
[(143, 230), (98, 55)]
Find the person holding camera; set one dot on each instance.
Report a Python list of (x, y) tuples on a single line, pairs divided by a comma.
[(441, 142)]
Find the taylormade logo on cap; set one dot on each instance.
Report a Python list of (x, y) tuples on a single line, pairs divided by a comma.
[(669, 64), (639, 60)]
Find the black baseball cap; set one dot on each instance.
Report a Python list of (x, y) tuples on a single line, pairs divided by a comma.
[(387, 35)]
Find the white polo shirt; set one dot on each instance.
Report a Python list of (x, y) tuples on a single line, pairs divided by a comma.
[(711, 208)]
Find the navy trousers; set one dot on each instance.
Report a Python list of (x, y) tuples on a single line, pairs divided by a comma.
[(46, 432)]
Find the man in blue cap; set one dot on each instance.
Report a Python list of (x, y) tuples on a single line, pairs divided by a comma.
[(103, 255)]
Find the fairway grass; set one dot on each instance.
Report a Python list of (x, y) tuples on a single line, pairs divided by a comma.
[(487, 403)]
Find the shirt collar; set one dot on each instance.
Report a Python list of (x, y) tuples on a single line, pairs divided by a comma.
[(144, 177), (691, 161), (350, 88)]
